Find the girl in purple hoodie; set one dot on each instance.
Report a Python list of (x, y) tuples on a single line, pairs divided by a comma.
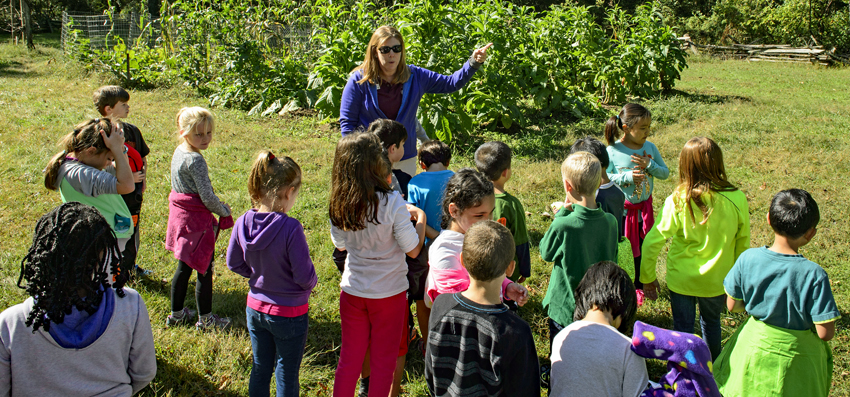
[(270, 249)]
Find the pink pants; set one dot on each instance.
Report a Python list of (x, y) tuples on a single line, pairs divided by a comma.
[(379, 323)]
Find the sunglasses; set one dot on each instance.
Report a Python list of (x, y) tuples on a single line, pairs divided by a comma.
[(386, 49)]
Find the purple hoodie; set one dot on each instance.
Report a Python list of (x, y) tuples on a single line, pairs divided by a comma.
[(270, 249)]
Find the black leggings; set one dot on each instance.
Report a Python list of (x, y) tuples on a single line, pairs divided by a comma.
[(203, 288)]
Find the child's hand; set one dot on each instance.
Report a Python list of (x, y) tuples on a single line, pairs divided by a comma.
[(416, 214), (650, 291), (138, 176), (115, 141), (638, 176), (517, 293), (642, 161)]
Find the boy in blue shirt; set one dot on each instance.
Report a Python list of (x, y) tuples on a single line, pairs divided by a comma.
[(425, 191), (781, 349)]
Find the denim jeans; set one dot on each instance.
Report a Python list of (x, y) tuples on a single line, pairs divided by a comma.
[(278, 344), (684, 312)]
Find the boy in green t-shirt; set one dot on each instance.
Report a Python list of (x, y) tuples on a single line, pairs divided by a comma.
[(493, 159), (579, 236)]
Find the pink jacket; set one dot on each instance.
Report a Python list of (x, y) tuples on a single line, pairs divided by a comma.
[(192, 230), (449, 281)]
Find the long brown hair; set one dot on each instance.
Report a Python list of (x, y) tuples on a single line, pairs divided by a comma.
[(631, 114), (701, 170), (359, 174), (269, 174), (84, 136), (371, 66)]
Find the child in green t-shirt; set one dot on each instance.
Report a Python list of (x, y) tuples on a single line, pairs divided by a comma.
[(577, 238), (493, 159)]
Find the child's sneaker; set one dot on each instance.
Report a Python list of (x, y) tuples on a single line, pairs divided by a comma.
[(640, 296), (187, 314), (212, 322)]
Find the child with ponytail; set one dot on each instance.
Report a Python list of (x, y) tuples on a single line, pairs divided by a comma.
[(192, 228), (372, 223), (634, 163), (270, 249), (708, 220), (93, 169)]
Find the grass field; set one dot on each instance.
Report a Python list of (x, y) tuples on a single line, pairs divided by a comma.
[(780, 126)]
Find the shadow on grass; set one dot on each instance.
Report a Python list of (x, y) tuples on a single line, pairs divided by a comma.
[(12, 69), (703, 98), (180, 381)]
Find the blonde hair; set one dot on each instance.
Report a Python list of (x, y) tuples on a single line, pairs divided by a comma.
[(371, 66), (583, 171), (84, 136), (189, 118), (269, 174)]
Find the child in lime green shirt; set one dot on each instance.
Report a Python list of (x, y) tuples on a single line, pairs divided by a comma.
[(707, 238)]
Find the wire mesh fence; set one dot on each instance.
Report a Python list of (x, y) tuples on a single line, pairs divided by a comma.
[(101, 30)]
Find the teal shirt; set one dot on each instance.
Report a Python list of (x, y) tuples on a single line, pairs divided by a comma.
[(620, 168), (575, 241), (787, 291)]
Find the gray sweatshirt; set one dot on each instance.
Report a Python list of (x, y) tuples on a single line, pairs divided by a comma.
[(120, 362), (189, 175)]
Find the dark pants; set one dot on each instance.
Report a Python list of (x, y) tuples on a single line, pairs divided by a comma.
[(203, 288), (684, 312), (131, 251), (278, 344), (554, 328)]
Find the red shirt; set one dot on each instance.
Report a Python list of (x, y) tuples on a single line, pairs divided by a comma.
[(389, 99)]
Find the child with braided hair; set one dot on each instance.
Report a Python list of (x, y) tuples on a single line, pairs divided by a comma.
[(73, 315)]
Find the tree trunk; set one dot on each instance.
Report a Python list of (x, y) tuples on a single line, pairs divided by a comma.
[(25, 10)]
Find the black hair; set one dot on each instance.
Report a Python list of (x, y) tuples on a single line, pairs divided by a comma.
[(609, 288), (66, 264), (592, 146), (435, 151), (390, 132), (793, 212), (467, 188), (631, 114), (492, 158)]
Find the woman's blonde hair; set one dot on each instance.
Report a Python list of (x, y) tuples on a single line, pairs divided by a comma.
[(701, 171), (269, 174), (189, 118), (84, 136), (371, 66)]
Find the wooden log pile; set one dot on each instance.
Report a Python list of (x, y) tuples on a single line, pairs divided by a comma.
[(767, 52)]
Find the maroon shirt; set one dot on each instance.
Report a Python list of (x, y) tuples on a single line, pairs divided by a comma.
[(389, 99)]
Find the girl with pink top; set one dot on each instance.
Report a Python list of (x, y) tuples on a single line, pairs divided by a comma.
[(372, 223), (468, 199)]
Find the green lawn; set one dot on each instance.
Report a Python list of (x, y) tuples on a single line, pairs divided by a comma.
[(780, 126)]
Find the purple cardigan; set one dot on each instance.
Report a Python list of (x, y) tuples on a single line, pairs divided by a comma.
[(360, 101), (270, 249)]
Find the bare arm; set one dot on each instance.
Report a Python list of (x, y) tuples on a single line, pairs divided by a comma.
[(115, 143), (826, 330), (734, 305)]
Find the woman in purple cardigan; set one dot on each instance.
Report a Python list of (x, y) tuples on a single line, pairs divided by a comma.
[(385, 87)]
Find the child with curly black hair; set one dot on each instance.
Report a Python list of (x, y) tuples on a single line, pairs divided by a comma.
[(73, 336)]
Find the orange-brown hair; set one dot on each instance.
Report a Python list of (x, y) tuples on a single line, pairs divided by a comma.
[(84, 136), (701, 170), (269, 174), (371, 66), (359, 174)]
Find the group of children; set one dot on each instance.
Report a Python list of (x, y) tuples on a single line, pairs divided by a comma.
[(455, 244)]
